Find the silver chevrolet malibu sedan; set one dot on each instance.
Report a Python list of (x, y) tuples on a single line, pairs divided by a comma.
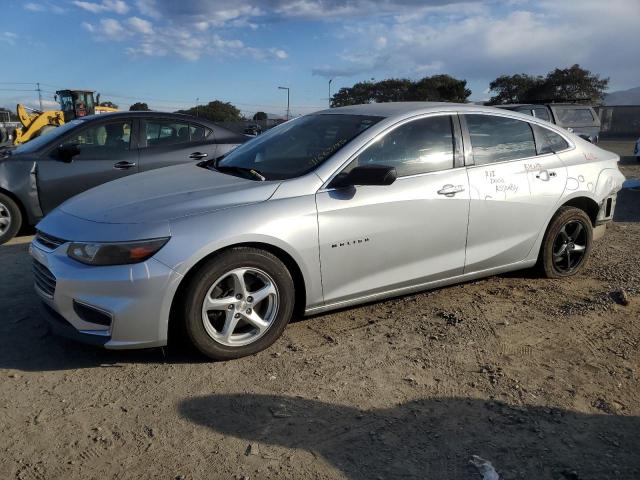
[(329, 210)]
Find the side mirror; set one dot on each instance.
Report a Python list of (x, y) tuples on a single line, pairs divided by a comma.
[(67, 151), (366, 175)]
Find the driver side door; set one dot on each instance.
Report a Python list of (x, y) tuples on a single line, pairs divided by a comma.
[(375, 239), (107, 151)]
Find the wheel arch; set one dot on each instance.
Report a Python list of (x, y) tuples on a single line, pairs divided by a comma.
[(289, 262), (586, 204)]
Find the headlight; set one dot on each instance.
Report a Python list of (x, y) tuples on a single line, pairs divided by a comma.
[(117, 253)]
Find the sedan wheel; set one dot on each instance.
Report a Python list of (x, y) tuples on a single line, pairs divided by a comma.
[(5, 219), (10, 218), (567, 243), (238, 303), (570, 246), (240, 307)]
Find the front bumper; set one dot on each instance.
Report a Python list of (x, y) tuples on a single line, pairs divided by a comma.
[(135, 299)]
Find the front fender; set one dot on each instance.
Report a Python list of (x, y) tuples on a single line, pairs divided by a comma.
[(288, 224)]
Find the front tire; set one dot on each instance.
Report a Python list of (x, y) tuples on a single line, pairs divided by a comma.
[(567, 243), (10, 218), (238, 303)]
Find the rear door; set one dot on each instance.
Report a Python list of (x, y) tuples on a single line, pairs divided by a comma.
[(513, 190), (106, 154), (166, 142)]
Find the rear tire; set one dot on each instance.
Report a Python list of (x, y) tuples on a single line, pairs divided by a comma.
[(10, 218), (567, 243), (222, 318)]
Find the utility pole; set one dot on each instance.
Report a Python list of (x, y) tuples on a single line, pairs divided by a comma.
[(197, 100), (330, 80), (39, 95), (288, 91)]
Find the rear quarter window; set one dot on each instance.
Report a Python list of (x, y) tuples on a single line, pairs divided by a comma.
[(548, 141)]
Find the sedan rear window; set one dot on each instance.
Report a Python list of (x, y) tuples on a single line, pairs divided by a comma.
[(298, 146)]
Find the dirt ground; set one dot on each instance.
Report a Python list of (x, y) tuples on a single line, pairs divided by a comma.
[(539, 377)]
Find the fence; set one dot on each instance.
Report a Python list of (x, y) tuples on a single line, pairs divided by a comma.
[(619, 122)]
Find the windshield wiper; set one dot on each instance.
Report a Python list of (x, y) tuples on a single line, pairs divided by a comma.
[(254, 173)]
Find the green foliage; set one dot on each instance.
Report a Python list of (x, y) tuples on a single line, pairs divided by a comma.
[(215, 111), (260, 116), (573, 84), (438, 88), (139, 107)]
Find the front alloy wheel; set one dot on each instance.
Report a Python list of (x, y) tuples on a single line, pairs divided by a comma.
[(240, 307), (238, 303)]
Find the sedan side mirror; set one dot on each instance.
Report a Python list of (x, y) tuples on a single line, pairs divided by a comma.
[(67, 151), (366, 175)]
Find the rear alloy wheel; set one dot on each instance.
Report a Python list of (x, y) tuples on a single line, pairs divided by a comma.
[(567, 243), (10, 219), (238, 303)]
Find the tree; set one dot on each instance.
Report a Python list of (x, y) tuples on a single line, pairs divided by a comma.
[(108, 104), (139, 107), (216, 111), (573, 84), (435, 88), (260, 116)]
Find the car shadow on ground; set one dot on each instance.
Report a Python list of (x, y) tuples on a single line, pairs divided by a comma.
[(431, 438)]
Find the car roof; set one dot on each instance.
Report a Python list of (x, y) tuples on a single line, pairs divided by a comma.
[(148, 113), (406, 109)]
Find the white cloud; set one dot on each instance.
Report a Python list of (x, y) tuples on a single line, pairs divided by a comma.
[(46, 6), (8, 38), (115, 6), (34, 7), (140, 26)]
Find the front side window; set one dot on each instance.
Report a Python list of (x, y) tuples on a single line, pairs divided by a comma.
[(548, 141), (163, 133), (498, 139), (298, 146), (116, 135), (420, 146)]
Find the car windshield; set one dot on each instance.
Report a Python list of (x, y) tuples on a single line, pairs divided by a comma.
[(296, 147), (38, 142)]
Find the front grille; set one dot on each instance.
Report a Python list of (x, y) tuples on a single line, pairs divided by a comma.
[(48, 241), (45, 280)]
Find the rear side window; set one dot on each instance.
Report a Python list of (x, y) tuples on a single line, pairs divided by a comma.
[(162, 133), (574, 116), (548, 141), (498, 139), (420, 146), (542, 113)]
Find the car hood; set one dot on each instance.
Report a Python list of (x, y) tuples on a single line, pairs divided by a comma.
[(166, 194)]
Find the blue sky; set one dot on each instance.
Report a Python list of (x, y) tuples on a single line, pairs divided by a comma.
[(168, 52)]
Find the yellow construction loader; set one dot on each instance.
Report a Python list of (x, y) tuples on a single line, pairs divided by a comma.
[(73, 104)]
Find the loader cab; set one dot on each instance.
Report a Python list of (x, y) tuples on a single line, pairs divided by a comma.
[(76, 103)]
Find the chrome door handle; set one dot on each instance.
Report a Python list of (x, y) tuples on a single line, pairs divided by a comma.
[(198, 155), (124, 165), (450, 190)]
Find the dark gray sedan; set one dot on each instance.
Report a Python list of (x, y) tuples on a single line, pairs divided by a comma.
[(38, 176)]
